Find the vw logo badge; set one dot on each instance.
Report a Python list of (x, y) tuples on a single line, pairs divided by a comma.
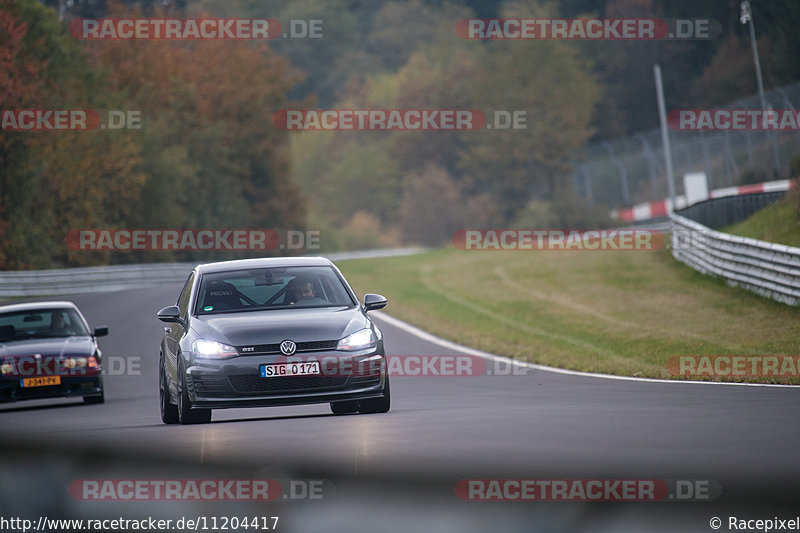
[(288, 347)]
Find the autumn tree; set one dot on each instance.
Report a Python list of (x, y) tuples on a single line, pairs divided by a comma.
[(211, 155), (55, 181)]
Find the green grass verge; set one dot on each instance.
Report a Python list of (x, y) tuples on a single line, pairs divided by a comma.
[(624, 313), (779, 223)]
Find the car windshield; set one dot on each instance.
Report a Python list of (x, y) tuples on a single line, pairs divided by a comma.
[(41, 323), (271, 288)]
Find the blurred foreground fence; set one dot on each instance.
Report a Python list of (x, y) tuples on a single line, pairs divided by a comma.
[(770, 269), (630, 170), (122, 277)]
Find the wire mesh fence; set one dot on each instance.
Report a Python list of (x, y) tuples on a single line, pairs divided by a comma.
[(629, 170)]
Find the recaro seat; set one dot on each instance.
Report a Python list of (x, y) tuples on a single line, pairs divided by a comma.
[(222, 296)]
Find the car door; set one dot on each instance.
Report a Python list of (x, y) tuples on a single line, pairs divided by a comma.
[(174, 332)]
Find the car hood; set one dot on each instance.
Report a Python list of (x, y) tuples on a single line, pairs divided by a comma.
[(269, 327), (57, 346)]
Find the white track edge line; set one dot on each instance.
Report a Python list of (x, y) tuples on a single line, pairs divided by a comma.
[(424, 335)]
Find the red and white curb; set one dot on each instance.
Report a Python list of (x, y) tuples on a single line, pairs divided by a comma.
[(662, 208)]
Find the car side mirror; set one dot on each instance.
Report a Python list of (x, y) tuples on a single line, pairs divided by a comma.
[(374, 301), (171, 313), (101, 331)]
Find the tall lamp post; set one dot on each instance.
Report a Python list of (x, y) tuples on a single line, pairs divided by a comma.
[(745, 18)]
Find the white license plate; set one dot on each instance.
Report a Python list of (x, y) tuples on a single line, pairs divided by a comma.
[(308, 368)]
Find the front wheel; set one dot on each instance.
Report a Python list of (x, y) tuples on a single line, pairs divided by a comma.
[(377, 405), (187, 415), (169, 411)]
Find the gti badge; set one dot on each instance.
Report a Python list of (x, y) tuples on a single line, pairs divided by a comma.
[(288, 347)]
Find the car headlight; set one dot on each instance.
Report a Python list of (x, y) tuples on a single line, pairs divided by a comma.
[(80, 364), (360, 340), (74, 362), (212, 349)]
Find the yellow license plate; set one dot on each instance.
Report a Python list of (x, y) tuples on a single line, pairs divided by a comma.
[(43, 381)]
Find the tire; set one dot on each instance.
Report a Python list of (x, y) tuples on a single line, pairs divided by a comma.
[(344, 408), (100, 398), (187, 415), (377, 405), (169, 411)]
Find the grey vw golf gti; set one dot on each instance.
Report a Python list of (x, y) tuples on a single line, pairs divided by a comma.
[(267, 332)]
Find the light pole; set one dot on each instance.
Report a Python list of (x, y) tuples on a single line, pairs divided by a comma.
[(62, 7), (747, 17), (662, 116)]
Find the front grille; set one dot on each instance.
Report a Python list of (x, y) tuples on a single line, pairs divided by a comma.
[(269, 349), (250, 383), (316, 346)]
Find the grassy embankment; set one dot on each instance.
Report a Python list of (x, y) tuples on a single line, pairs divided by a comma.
[(614, 312)]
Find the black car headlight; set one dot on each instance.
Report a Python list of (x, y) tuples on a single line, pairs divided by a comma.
[(206, 349), (362, 339)]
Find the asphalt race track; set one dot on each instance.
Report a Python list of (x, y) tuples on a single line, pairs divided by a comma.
[(400, 469)]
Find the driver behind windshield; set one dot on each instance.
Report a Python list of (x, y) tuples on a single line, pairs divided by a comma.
[(304, 292), (58, 324)]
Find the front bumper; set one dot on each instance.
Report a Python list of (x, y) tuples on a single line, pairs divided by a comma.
[(237, 382), (12, 391)]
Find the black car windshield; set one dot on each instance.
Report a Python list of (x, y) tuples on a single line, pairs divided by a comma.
[(271, 288), (41, 323)]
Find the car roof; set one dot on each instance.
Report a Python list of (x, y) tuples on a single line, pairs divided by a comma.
[(262, 262), (29, 306)]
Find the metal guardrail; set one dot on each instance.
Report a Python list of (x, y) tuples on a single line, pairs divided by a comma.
[(770, 269), (720, 212), (123, 277), (90, 279)]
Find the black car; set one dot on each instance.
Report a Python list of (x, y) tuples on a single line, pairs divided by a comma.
[(269, 332), (47, 350)]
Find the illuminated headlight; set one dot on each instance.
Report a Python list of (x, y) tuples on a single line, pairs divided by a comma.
[(7, 368), (79, 365), (75, 362), (213, 350), (360, 340)]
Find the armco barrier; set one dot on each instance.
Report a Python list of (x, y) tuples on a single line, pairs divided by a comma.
[(770, 269), (122, 277), (717, 213), (91, 279)]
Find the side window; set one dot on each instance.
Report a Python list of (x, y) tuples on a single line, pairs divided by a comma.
[(186, 293)]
